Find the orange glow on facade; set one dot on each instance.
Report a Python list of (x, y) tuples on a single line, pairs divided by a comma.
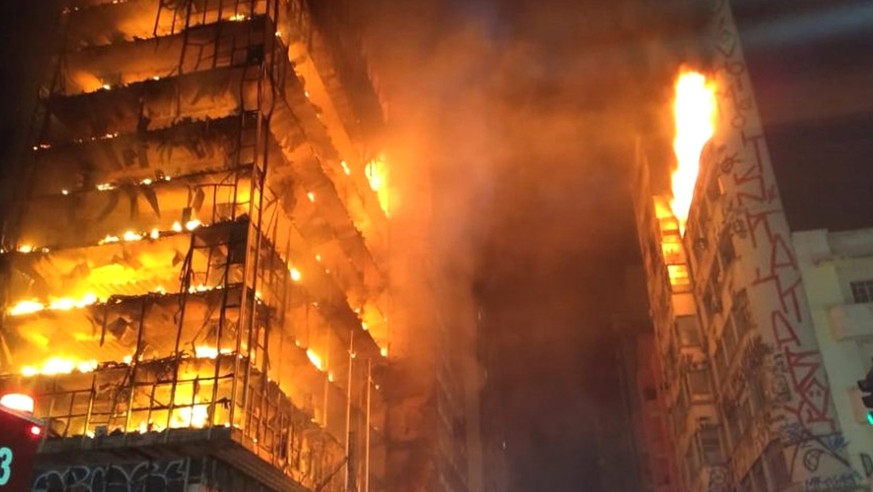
[(315, 359), (59, 304), (376, 172), (207, 352), (137, 301), (17, 401), (694, 112), (59, 365)]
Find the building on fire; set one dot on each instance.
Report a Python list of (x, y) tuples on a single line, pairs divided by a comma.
[(195, 286), (761, 325)]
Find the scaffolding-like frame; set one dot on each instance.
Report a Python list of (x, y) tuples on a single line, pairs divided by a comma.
[(217, 368)]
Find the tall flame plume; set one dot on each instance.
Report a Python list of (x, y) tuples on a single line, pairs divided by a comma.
[(694, 114)]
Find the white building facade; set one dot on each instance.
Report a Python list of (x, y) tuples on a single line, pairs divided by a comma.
[(837, 270)]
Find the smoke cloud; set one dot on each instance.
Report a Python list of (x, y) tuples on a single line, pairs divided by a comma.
[(510, 132)]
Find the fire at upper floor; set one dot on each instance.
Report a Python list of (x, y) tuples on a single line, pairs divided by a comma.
[(202, 227)]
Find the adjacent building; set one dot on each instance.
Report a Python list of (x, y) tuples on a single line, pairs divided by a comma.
[(755, 320), (837, 272)]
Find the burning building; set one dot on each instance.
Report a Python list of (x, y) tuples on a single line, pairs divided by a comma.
[(194, 289), (754, 405)]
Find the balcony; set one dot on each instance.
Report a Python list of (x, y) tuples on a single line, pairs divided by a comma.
[(851, 320)]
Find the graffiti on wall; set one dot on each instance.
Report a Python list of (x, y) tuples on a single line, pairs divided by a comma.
[(719, 479), (136, 477), (797, 385)]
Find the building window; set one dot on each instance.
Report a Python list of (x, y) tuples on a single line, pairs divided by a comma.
[(721, 361), (730, 334), (715, 277), (862, 291), (710, 445), (713, 188), (698, 384), (731, 415), (726, 250), (688, 332), (711, 303), (742, 312), (729, 341)]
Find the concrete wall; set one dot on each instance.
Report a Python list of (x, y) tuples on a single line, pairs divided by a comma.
[(829, 262)]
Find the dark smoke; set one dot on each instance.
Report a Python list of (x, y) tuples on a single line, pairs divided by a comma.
[(510, 133)]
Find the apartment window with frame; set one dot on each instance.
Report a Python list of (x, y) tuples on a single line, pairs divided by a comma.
[(698, 383), (862, 290), (721, 360), (713, 188), (729, 342), (711, 303), (726, 250), (688, 331), (710, 445), (730, 331), (731, 413), (715, 277), (742, 313)]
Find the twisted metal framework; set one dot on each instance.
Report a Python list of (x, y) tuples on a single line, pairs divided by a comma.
[(182, 179)]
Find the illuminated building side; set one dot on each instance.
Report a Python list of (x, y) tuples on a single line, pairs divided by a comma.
[(687, 390), (837, 270), (194, 291), (778, 429), (781, 432)]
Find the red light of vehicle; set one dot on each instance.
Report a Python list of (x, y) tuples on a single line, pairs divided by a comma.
[(35, 430)]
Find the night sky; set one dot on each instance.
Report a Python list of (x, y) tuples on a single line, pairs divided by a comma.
[(529, 109)]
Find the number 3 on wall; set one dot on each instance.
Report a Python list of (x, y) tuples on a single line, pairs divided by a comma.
[(5, 464)]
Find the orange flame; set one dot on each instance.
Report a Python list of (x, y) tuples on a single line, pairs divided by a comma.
[(376, 172), (17, 401), (209, 352), (315, 359), (694, 112), (59, 365), (29, 306)]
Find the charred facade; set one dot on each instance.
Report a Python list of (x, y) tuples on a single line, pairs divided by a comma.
[(193, 287)]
